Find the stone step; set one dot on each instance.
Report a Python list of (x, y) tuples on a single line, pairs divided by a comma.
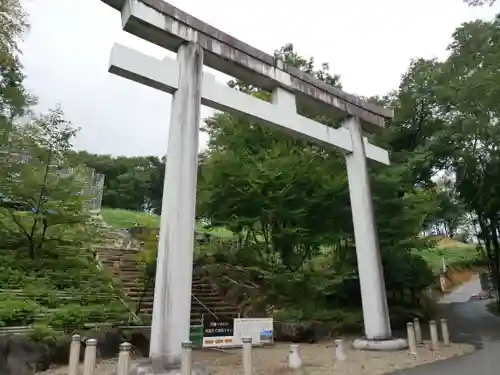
[(137, 287), (124, 266), (228, 310), (195, 306), (138, 276), (130, 260), (132, 281), (196, 315), (118, 255)]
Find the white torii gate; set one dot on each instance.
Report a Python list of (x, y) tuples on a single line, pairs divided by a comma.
[(194, 42)]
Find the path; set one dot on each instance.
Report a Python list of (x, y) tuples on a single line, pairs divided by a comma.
[(471, 323)]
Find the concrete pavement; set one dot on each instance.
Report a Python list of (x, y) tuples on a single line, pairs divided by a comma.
[(471, 323)]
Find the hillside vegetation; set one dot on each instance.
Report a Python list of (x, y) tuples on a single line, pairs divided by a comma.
[(64, 290)]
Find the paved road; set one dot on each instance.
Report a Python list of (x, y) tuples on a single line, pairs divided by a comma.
[(471, 323)]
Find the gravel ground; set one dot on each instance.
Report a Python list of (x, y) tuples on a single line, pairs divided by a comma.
[(318, 359)]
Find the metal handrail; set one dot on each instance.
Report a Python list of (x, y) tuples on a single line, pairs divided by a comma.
[(240, 283), (204, 306)]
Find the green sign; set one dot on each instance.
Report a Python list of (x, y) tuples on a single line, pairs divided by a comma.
[(196, 336)]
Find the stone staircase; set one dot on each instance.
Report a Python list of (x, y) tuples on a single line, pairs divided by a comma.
[(123, 265)]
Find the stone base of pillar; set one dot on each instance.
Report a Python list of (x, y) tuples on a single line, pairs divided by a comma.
[(146, 367), (380, 345)]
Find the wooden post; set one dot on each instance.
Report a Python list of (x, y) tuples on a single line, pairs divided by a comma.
[(74, 355), (123, 359), (247, 355), (90, 357), (412, 344)]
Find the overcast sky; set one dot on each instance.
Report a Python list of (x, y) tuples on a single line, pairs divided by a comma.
[(368, 42)]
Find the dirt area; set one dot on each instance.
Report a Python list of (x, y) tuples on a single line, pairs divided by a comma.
[(446, 243), (318, 359), (457, 277)]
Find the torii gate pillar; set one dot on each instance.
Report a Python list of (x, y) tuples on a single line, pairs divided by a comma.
[(172, 296)]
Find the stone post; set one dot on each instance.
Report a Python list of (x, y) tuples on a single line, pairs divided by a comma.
[(434, 335), (294, 360), (445, 332), (340, 353), (123, 359), (418, 330), (172, 298), (74, 355), (412, 343), (247, 355), (90, 357), (373, 297), (186, 360)]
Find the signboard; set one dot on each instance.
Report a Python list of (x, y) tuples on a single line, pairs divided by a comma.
[(226, 333), (259, 329), (218, 332)]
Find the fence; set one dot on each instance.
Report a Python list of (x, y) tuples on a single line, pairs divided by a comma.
[(94, 189)]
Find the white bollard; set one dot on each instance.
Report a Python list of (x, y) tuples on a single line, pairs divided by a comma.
[(434, 335), (340, 350), (294, 360), (90, 357), (186, 359), (445, 332), (247, 355), (418, 331), (123, 359), (412, 344), (74, 355)]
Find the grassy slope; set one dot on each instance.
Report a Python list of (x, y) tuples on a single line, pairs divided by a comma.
[(126, 219), (62, 289), (118, 219), (454, 252)]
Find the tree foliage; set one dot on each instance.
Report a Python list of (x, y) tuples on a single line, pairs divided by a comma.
[(49, 275), (476, 3), (284, 199), (287, 201)]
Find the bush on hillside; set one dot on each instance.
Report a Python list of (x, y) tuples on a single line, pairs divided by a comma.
[(63, 289)]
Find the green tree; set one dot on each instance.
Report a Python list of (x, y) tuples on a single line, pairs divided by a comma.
[(476, 3), (41, 197), (287, 202), (13, 24), (472, 130), (132, 183), (14, 99)]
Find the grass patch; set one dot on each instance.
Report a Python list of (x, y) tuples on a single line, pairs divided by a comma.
[(448, 243), (216, 232), (118, 218), (464, 256), (493, 308)]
